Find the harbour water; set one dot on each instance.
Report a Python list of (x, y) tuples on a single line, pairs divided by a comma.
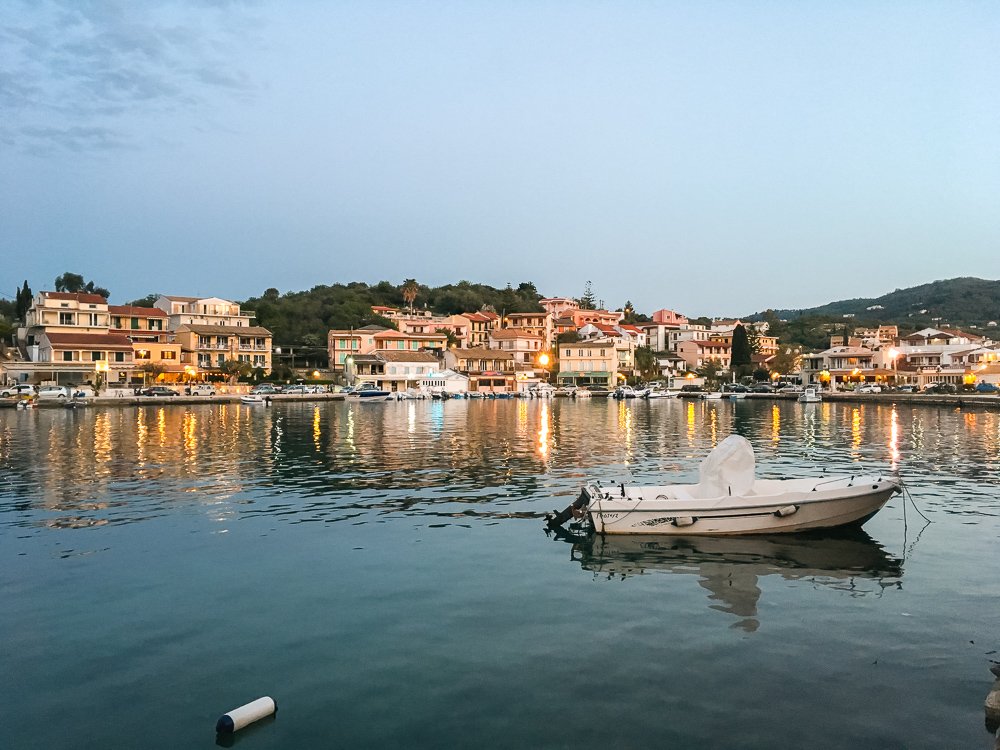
[(382, 571)]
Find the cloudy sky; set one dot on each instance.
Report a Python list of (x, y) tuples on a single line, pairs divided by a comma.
[(711, 157)]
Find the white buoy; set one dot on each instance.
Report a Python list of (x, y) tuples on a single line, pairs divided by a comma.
[(238, 718)]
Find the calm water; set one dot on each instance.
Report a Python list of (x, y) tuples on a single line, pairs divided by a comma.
[(381, 570)]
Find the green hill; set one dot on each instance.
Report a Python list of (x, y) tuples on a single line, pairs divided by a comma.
[(965, 301)]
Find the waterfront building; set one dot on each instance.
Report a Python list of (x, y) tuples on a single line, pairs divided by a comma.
[(67, 339), (586, 363), (393, 370), (343, 345), (447, 381), (539, 323), (698, 352), (213, 311), (491, 370), (206, 347), (152, 351), (480, 325), (524, 345), (559, 307)]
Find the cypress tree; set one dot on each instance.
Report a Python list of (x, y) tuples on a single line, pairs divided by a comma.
[(741, 348)]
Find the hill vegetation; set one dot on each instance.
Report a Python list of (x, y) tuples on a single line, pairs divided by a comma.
[(965, 302), (305, 317)]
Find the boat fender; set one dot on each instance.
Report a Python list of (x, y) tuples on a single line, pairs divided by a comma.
[(238, 718), (684, 520), (786, 511)]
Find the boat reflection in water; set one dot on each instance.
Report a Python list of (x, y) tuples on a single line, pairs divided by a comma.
[(730, 567)]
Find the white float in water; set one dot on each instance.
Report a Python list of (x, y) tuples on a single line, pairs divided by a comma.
[(248, 714)]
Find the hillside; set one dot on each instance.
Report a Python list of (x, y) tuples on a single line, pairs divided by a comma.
[(963, 301)]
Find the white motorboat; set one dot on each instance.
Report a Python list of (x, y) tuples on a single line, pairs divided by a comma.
[(713, 395), (728, 499), (254, 398), (368, 391), (655, 392), (810, 396)]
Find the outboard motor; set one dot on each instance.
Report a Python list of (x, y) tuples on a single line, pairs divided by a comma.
[(558, 518)]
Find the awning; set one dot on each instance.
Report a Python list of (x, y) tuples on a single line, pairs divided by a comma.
[(566, 374)]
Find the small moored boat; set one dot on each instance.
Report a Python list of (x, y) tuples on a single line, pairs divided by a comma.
[(810, 396), (254, 398), (728, 499)]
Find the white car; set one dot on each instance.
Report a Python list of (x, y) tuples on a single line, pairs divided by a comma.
[(870, 389), (202, 389), (53, 391), (21, 389)]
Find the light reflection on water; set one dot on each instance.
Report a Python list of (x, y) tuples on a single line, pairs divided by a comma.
[(405, 539)]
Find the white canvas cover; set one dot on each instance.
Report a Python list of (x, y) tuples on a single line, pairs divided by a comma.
[(729, 468)]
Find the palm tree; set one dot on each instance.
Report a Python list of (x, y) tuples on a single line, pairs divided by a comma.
[(410, 289)]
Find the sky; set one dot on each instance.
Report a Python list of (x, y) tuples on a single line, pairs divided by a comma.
[(715, 158)]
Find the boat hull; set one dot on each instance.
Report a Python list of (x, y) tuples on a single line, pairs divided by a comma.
[(781, 514)]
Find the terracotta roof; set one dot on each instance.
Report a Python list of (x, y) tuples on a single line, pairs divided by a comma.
[(490, 315), (476, 317), (149, 312), (630, 328), (481, 352), (509, 334), (565, 322), (396, 356), (207, 330), (102, 340), (182, 299), (90, 299), (527, 315), (712, 343)]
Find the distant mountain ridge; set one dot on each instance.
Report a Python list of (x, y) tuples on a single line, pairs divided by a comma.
[(960, 301)]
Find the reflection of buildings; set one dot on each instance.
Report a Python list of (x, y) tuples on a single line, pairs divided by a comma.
[(730, 567)]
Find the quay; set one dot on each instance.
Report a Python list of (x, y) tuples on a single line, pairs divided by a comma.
[(132, 400)]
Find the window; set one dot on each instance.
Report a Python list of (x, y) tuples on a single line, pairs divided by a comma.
[(66, 319), (96, 356), (134, 324), (155, 325), (258, 360), (67, 356), (116, 322), (119, 356), (142, 354), (168, 355), (204, 342)]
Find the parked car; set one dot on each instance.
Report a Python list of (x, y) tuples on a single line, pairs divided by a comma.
[(202, 389), (906, 389), (870, 388), (159, 390), (940, 388), (21, 389), (53, 391), (691, 388), (984, 387), (264, 389), (297, 389), (761, 388), (734, 388)]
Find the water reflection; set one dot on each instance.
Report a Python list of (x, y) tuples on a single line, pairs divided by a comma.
[(730, 568), (308, 462)]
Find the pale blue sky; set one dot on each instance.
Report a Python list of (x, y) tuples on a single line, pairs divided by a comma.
[(711, 157)]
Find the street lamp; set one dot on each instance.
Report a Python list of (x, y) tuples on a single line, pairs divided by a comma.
[(349, 370)]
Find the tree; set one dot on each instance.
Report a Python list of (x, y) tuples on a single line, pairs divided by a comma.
[(410, 290), (645, 363), (74, 283), (753, 338), (588, 301), (787, 361), (151, 371), (69, 282), (741, 350), (22, 302), (148, 301), (710, 370), (452, 337), (234, 369)]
